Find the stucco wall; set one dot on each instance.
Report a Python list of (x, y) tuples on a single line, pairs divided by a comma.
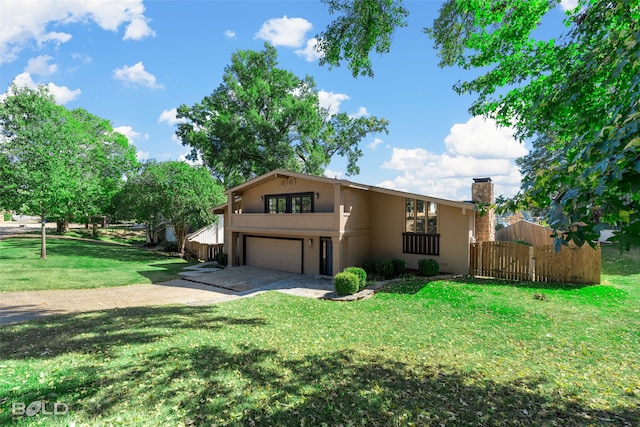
[(358, 207), (251, 202), (387, 224), (358, 250)]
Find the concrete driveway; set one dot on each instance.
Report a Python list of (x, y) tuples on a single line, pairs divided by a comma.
[(201, 285)]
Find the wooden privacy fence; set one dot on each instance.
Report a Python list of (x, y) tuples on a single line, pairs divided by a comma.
[(515, 261), (534, 234)]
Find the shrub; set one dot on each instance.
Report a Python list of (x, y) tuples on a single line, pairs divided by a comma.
[(346, 283), (369, 266), (428, 267), (384, 267), (362, 275), (167, 246), (222, 258), (399, 266)]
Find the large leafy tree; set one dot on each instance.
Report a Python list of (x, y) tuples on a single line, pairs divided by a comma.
[(51, 161), (582, 87), (105, 157), (172, 192), (263, 117)]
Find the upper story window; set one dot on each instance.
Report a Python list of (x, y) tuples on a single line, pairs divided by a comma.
[(421, 216), (289, 203)]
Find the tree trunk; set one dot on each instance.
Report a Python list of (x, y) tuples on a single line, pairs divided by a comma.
[(62, 226), (95, 229), (43, 239), (180, 231)]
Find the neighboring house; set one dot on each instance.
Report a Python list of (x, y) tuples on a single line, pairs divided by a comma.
[(210, 235), (207, 242), (317, 225), (165, 233)]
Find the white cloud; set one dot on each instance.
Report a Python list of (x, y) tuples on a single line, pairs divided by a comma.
[(169, 116), (62, 94), (409, 158), (476, 148), (481, 138), (284, 31), (362, 111), (183, 158), (230, 34), (331, 101), (333, 174), (310, 53), (142, 155), (128, 132), (82, 58), (568, 4), (40, 66), (23, 21), (138, 29), (374, 144), (136, 75)]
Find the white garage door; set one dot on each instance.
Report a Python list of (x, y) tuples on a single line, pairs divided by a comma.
[(280, 254)]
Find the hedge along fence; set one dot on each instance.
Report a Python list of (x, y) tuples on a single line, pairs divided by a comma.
[(515, 261)]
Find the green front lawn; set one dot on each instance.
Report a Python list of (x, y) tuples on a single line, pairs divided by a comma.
[(77, 264), (449, 353)]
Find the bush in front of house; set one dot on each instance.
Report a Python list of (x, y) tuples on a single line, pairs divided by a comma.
[(369, 266), (399, 266), (362, 275), (428, 267), (222, 258), (384, 268), (346, 283)]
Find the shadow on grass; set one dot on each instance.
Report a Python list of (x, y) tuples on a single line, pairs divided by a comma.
[(615, 262), (82, 248), (104, 331), (211, 385)]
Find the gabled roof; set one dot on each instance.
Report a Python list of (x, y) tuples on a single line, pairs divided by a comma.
[(280, 173)]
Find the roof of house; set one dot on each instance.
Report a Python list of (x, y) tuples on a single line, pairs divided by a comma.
[(280, 173)]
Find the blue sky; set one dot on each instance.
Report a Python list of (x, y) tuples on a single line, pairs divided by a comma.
[(133, 62)]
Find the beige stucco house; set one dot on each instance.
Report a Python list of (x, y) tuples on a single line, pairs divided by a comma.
[(317, 225)]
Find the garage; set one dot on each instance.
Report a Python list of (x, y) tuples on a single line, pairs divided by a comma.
[(272, 252)]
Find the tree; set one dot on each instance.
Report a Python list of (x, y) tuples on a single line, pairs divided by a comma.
[(582, 86), (361, 27), (174, 192), (106, 156), (263, 117), (38, 151), (54, 162)]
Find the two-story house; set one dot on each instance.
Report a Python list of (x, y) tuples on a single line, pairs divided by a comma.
[(317, 225)]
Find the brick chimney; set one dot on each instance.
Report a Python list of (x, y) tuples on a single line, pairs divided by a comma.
[(482, 193)]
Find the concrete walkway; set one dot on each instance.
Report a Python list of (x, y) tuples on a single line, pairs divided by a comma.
[(25, 305), (202, 284)]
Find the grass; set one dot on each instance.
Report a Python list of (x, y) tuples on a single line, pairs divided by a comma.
[(123, 235), (80, 264), (464, 352)]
